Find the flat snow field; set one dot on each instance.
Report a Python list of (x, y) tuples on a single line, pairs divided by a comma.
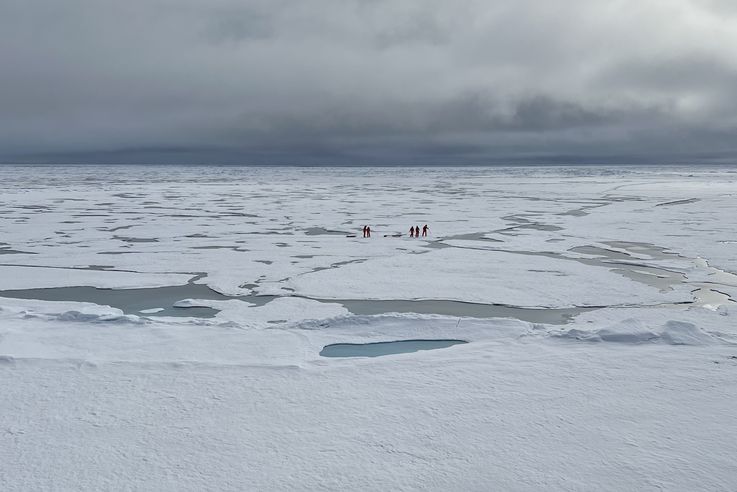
[(161, 328)]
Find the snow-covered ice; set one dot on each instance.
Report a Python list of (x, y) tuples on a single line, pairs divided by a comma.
[(634, 392)]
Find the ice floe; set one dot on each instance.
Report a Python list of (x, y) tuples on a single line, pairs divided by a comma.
[(635, 392)]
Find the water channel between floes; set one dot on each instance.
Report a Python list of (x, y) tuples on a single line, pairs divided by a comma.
[(162, 299)]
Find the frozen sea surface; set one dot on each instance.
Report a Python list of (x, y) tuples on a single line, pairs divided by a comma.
[(161, 328)]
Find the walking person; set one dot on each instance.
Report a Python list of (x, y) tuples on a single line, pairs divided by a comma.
[(412, 231), (364, 231), (417, 231), (368, 231), (424, 230)]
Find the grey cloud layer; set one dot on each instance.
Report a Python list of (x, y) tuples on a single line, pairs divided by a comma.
[(362, 81)]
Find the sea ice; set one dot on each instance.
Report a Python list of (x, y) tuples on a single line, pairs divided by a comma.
[(636, 394)]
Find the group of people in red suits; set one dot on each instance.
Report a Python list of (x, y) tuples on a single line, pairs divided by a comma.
[(414, 231)]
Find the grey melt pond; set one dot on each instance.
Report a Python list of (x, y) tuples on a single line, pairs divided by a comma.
[(130, 301), (378, 349)]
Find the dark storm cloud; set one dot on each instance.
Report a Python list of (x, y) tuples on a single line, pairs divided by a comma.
[(367, 81)]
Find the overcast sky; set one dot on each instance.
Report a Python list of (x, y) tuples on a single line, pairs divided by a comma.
[(368, 81)]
